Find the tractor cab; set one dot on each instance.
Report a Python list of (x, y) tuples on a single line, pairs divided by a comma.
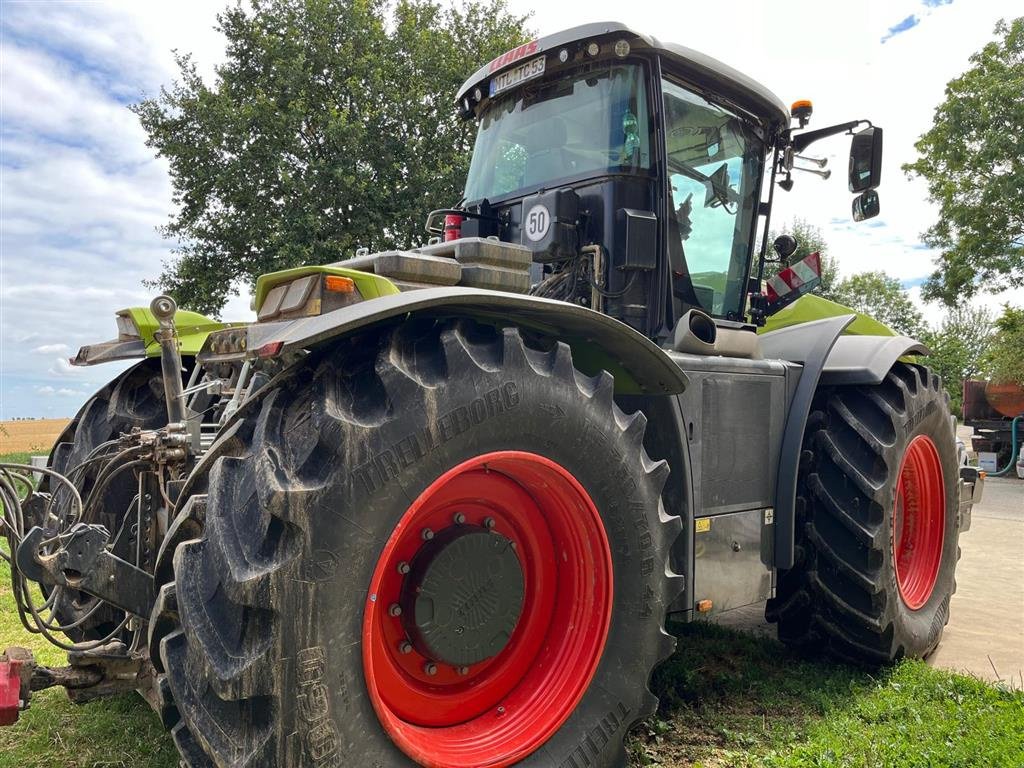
[(635, 171)]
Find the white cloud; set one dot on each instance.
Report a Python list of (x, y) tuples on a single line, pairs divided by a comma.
[(51, 349), (62, 367), (61, 392)]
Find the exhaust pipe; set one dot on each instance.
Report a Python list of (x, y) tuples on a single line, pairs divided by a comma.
[(695, 333)]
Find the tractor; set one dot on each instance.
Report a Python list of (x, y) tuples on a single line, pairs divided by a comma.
[(433, 506)]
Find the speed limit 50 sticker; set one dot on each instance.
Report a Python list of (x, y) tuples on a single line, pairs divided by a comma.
[(537, 223)]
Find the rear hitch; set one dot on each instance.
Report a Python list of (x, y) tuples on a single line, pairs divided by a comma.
[(81, 560), (92, 674)]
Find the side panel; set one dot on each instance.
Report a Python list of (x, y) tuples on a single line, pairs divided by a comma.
[(733, 417), (733, 557)]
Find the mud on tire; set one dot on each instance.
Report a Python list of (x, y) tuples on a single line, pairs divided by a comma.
[(844, 593), (261, 632)]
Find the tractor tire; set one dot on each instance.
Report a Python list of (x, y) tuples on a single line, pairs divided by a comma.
[(133, 399), (431, 546), (877, 522)]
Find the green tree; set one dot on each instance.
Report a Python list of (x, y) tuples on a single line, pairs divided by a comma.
[(973, 161), (1004, 361), (959, 348), (882, 297), (809, 239), (330, 126)]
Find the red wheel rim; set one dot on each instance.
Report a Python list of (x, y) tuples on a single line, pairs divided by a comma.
[(500, 710), (919, 521)]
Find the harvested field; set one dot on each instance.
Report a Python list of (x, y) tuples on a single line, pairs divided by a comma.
[(35, 435)]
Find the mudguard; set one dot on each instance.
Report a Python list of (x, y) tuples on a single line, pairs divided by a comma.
[(192, 327), (597, 341), (828, 358)]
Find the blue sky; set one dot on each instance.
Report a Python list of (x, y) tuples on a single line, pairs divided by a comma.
[(81, 196)]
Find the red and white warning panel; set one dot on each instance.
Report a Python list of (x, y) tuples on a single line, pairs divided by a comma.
[(794, 281)]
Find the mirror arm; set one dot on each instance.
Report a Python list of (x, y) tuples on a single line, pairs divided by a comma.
[(801, 141)]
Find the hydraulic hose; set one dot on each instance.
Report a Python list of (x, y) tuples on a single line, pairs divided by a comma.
[(1014, 448)]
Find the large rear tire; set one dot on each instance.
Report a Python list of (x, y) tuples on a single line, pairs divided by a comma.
[(877, 522), (437, 547)]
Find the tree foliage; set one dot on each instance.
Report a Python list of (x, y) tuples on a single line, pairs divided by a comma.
[(973, 162), (1005, 357), (809, 239), (330, 126), (959, 348), (882, 297)]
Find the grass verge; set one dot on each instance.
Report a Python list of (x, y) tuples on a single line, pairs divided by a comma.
[(729, 699)]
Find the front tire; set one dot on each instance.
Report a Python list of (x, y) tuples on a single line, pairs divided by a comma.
[(439, 548), (878, 522)]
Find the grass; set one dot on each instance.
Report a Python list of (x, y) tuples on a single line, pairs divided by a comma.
[(727, 699)]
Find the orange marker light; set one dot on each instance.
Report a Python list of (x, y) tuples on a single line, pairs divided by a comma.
[(339, 284), (704, 606)]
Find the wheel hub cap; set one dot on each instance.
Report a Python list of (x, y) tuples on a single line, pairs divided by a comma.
[(463, 596)]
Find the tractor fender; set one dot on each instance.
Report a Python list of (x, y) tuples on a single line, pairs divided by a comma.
[(598, 342), (867, 359), (828, 358), (809, 344)]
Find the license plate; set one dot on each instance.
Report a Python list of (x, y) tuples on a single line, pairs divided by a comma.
[(513, 77)]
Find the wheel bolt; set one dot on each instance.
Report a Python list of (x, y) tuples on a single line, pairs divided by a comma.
[(463, 671), (403, 568), (488, 522), (395, 609), (427, 534), (430, 668), (459, 518), (405, 647)]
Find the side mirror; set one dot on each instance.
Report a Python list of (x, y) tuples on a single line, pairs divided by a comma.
[(866, 206), (866, 159)]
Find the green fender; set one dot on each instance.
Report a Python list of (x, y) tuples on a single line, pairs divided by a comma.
[(808, 308)]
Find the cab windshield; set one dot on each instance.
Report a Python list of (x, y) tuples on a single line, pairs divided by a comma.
[(715, 162), (543, 132)]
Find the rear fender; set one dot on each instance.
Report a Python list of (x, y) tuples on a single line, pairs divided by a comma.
[(828, 358), (192, 329), (597, 341)]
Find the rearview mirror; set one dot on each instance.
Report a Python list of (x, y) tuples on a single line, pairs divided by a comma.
[(866, 206), (866, 159)]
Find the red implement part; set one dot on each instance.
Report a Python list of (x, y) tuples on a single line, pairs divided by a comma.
[(10, 691)]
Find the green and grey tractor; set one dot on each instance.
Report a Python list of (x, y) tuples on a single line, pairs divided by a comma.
[(434, 505)]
